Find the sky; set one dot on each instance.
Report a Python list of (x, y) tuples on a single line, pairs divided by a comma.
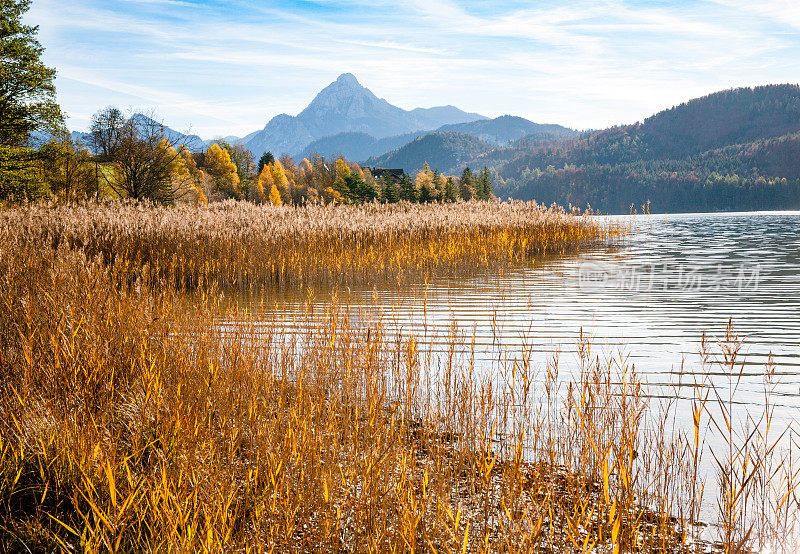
[(225, 67)]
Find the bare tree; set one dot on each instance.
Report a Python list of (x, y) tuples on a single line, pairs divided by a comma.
[(142, 161)]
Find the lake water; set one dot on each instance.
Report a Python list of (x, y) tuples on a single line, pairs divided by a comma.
[(650, 299)]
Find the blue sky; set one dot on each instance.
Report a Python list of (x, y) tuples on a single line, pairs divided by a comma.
[(226, 67)]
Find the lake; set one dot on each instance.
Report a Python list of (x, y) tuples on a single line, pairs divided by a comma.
[(648, 300)]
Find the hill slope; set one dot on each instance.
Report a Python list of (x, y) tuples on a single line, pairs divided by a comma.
[(499, 131), (507, 128), (735, 149), (442, 151), (357, 146)]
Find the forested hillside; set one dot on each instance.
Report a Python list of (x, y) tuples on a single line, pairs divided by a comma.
[(507, 128), (734, 150), (445, 152)]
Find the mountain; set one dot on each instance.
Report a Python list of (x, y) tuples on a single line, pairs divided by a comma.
[(347, 106), (499, 131), (357, 146), (507, 128), (733, 150), (443, 151), (193, 142)]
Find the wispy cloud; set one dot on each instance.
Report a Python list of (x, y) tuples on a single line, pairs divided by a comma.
[(226, 66)]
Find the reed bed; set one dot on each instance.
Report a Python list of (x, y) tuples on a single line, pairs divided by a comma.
[(242, 245), (133, 418)]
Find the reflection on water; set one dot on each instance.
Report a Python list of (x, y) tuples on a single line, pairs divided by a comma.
[(652, 299), (648, 301)]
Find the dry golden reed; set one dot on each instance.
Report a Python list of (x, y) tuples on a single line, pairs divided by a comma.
[(239, 244), (135, 417)]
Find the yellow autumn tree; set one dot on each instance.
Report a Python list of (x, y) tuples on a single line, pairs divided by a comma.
[(356, 169), (341, 173), (265, 182), (222, 169), (343, 170), (281, 181), (194, 176), (424, 184), (275, 196)]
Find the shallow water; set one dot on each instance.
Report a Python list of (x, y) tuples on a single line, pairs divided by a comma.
[(646, 302), (650, 300)]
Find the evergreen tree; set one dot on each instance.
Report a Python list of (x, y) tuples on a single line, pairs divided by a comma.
[(266, 159), (341, 180), (361, 190), (426, 192), (27, 91), (408, 191), (438, 185), (391, 192), (468, 184), (484, 188), (451, 190), (27, 103)]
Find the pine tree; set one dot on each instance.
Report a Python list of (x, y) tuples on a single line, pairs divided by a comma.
[(27, 89), (485, 184), (266, 159), (468, 185), (408, 191), (438, 185), (391, 192), (451, 190), (27, 104), (426, 193), (342, 174)]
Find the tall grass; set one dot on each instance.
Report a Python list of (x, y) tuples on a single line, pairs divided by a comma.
[(244, 245), (132, 418)]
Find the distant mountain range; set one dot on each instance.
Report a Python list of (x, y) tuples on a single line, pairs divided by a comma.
[(346, 106), (347, 119), (500, 131), (737, 149), (442, 151), (732, 150), (357, 146)]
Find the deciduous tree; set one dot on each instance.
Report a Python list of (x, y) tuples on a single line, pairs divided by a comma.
[(141, 162), (223, 171), (68, 169)]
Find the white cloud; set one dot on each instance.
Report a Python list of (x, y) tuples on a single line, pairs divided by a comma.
[(228, 66)]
